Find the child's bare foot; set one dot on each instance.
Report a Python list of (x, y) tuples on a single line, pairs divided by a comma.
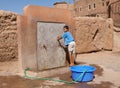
[(72, 64)]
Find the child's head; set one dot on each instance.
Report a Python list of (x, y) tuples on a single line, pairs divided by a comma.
[(66, 28)]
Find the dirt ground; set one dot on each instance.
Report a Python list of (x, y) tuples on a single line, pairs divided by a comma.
[(106, 75)]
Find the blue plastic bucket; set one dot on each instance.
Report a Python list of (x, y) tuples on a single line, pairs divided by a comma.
[(82, 73)]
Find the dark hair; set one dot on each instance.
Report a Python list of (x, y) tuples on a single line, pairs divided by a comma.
[(67, 27)]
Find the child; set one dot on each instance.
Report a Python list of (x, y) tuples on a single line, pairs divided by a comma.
[(69, 42)]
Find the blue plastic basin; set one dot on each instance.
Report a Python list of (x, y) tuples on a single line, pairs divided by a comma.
[(82, 73)]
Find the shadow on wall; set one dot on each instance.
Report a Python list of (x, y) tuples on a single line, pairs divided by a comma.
[(66, 52)]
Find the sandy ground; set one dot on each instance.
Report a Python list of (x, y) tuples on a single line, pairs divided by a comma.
[(106, 75), (107, 64)]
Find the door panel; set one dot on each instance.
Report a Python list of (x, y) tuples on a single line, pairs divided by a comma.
[(49, 53)]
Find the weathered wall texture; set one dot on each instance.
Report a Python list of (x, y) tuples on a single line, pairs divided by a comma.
[(93, 34), (116, 45), (91, 8), (8, 36), (115, 12), (62, 5)]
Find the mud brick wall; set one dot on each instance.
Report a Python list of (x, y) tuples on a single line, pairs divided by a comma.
[(93, 34), (8, 36), (28, 37), (116, 45), (91, 8)]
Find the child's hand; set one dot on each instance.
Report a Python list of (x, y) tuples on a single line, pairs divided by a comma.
[(58, 37)]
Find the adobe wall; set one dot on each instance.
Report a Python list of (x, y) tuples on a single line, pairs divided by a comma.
[(62, 5), (90, 8), (116, 45), (8, 36), (115, 12), (27, 29), (93, 34)]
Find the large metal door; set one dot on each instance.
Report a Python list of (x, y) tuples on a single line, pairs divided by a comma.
[(49, 53)]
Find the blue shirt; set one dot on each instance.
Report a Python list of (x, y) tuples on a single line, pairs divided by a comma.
[(67, 36)]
